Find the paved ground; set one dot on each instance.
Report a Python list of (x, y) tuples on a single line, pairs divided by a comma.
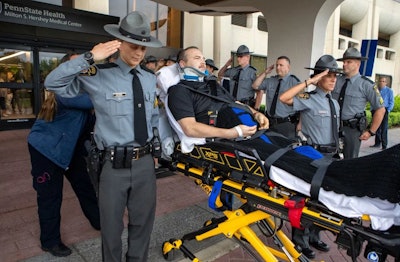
[(181, 208)]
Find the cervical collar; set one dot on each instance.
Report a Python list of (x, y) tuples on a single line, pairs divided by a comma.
[(193, 74)]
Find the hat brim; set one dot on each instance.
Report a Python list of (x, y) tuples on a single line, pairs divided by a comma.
[(362, 58), (333, 70), (214, 67), (114, 31), (247, 53)]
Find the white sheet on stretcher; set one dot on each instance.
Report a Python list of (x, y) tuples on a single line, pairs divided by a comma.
[(383, 214)]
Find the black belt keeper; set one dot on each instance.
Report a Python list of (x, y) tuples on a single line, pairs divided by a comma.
[(122, 156)]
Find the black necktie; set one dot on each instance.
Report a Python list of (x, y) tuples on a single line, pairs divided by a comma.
[(334, 117), (140, 123), (236, 79), (342, 94), (275, 100)]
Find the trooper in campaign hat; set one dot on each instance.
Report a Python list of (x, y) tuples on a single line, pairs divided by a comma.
[(316, 107), (211, 66), (352, 53), (353, 91), (241, 77), (243, 50), (124, 97), (150, 62)]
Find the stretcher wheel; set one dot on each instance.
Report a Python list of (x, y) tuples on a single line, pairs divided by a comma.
[(167, 250)]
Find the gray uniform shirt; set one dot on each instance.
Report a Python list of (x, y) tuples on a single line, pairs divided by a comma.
[(246, 79), (359, 91), (110, 89), (315, 114), (269, 85)]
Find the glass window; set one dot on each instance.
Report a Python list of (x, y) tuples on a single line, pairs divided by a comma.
[(16, 89)]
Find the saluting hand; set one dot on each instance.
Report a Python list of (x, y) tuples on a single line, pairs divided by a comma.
[(269, 69), (103, 50)]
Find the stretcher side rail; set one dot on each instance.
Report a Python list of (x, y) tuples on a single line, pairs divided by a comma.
[(242, 173)]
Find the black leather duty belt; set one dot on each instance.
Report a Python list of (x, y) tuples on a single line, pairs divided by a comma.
[(325, 148), (279, 120), (127, 152)]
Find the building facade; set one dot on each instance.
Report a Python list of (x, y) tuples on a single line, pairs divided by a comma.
[(34, 35)]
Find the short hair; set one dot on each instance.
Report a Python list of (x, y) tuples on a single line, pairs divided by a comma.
[(182, 53), (284, 57)]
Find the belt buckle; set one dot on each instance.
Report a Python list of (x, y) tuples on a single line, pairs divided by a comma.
[(136, 153)]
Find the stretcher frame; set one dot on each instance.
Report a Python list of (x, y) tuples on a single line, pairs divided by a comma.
[(224, 169)]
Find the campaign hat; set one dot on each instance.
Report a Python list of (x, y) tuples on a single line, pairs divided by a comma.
[(326, 62), (151, 59), (134, 28), (171, 58), (210, 63), (352, 53), (243, 50)]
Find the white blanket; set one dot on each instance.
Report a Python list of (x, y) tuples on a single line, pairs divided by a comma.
[(383, 214)]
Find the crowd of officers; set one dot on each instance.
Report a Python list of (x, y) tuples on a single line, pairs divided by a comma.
[(127, 178)]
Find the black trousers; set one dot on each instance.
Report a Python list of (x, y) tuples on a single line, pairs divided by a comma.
[(48, 180)]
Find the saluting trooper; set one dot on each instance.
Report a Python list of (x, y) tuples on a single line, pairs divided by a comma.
[(111, 87), (317, 116), (241, 76), (359, 90)]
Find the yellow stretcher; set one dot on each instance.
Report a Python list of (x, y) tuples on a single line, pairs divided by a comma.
[(224, 169)]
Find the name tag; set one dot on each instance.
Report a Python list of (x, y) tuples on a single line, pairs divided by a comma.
[(121, 94)]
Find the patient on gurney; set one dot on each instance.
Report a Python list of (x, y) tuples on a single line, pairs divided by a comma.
[(366, 185)]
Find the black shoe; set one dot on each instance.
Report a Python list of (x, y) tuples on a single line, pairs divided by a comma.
[(321, 246), (375, 145), (308, 253), (59, 250)]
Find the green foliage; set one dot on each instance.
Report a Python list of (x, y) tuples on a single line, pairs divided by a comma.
[(394, 116)]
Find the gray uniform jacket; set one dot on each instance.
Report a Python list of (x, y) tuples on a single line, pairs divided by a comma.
[(247, 77), (359, 91), (315, 114), (110, 89), (270, 84)]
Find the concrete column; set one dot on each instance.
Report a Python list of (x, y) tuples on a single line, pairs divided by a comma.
[(297, 29)]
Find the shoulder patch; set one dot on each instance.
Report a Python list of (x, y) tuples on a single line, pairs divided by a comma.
[(303, 95), (91, 71), (295, 77), (369, 80), (146, 69)]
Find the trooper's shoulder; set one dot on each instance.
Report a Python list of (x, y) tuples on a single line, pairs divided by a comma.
[(294, 77), (146, 69), (368, 80)]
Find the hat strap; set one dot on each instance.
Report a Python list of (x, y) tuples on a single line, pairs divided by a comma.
[(133, 36)]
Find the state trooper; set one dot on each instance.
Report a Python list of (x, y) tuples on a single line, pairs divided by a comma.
[(320, 122), (357, 91), (241, 76), (282, 118), (127, 179)]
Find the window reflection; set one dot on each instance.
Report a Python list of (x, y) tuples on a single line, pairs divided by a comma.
[(16, 96)]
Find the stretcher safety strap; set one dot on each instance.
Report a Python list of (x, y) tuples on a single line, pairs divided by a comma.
[(215, 192), (276, 155), (316, 182)]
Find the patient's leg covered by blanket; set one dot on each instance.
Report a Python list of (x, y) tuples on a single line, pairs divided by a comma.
[(375, 176)]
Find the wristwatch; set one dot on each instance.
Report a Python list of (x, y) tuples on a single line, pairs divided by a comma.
[(371, 133), (88, 56)]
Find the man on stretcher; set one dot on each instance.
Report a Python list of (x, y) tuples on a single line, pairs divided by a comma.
[(199, 108)]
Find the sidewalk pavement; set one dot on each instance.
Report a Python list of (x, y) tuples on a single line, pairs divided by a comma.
[(181, 208)]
